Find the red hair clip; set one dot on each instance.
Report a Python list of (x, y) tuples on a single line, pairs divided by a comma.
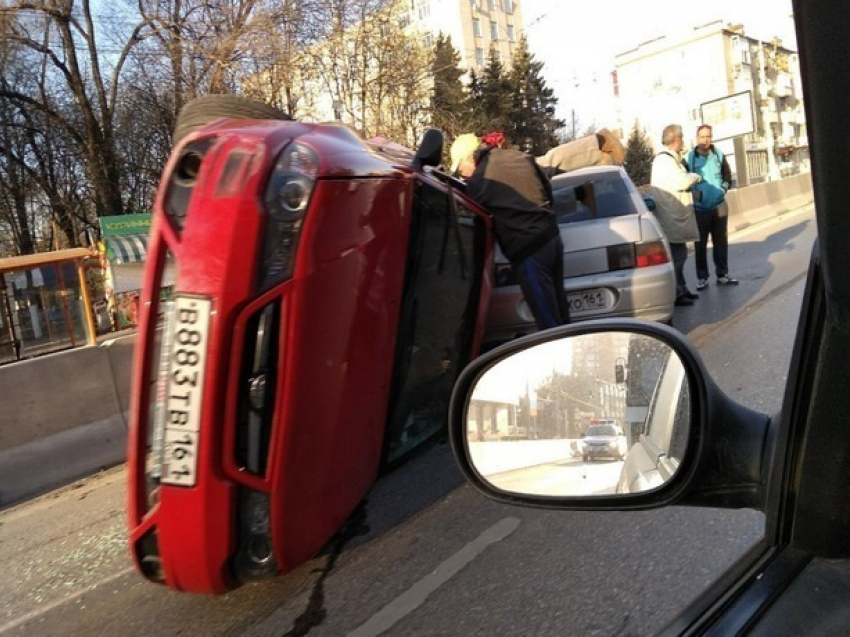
[(494, 139)]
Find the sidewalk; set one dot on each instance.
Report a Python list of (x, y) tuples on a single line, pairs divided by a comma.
[(130, 331)]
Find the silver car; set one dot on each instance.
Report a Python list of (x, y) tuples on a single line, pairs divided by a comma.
[(604, 441), (616, 258)]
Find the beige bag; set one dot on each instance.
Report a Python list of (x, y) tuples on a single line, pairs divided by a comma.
[(600, 149)]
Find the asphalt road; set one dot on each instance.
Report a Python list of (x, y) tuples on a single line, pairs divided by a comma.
[(426, 554), (566, 476)]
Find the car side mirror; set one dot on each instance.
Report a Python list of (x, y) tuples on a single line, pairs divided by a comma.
[(570, 413), (430, 151), (545, 420), (649, 201)]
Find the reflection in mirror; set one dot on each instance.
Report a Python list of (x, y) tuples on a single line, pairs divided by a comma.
[(586, 415)]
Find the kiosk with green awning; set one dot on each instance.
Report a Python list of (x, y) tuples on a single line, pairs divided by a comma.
[(126, 237), (125, 243)]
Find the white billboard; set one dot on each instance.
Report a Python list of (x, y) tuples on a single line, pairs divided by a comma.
[(729, 116)]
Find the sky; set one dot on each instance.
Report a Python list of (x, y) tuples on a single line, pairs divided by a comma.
[(524, 371), (577, 40)]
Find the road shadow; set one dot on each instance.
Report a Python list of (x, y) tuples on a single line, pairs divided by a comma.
[(753, 264)]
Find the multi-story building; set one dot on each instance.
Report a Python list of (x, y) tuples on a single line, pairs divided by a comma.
[(682, 78), (473, 25)]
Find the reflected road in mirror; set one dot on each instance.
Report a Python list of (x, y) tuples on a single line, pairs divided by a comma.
[(588, 415)]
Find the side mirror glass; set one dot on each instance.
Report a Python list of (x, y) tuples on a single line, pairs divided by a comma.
[(649, 201), (557, 420)]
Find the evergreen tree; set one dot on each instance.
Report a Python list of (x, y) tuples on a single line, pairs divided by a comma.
[(448, 97), (532, 112), (474, 97), (639, 157), (493, 110)]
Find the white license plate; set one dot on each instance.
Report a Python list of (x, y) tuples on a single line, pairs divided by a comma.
[(187, 359), (592, 300)]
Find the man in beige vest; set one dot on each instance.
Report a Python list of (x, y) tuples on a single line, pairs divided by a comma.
[(675, 206)]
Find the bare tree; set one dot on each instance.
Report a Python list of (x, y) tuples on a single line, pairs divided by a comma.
[(71, 89), (364, 63), (278, 61), (16, 188)]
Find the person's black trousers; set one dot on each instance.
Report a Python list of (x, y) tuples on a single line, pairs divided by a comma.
[(679, 252), (541, 279), (716, 225)]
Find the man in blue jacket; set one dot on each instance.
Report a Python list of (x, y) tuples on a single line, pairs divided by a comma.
[(711, 208)]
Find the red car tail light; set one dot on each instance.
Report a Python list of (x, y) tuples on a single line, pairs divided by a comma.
[(651, 253), (287, 196)]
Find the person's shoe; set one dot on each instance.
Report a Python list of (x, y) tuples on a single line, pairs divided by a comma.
[(702, 284), (726, 280), (691, 296), (683, 301)]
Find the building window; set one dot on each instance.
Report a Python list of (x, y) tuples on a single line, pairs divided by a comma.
[(491, 4), (479, 58), (473, 4), (511, 34), (494, 31), (509, 6), (476, 27)]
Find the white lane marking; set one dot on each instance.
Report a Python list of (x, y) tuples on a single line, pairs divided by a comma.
[(43, 610), (415, 596)]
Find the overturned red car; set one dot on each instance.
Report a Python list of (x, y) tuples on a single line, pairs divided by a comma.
[(326, 292)]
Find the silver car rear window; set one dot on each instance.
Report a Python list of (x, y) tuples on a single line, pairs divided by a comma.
[(613, 197)]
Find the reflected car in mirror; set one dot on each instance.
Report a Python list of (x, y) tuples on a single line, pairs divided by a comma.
[(604, 440)]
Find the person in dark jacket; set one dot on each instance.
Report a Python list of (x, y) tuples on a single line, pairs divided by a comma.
[(514, 190)]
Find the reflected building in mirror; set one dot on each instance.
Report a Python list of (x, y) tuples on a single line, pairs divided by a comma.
[(551, 391), (493, 416), (595, 355)]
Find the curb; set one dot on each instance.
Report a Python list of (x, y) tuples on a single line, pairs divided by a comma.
[(33, 468)]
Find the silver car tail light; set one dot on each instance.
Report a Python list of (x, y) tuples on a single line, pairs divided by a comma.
[(651, 253)]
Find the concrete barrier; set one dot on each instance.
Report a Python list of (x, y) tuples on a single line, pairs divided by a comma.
[(754, 204), (64, 416)]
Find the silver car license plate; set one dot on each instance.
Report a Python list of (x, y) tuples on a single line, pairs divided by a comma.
[(592, 300)]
